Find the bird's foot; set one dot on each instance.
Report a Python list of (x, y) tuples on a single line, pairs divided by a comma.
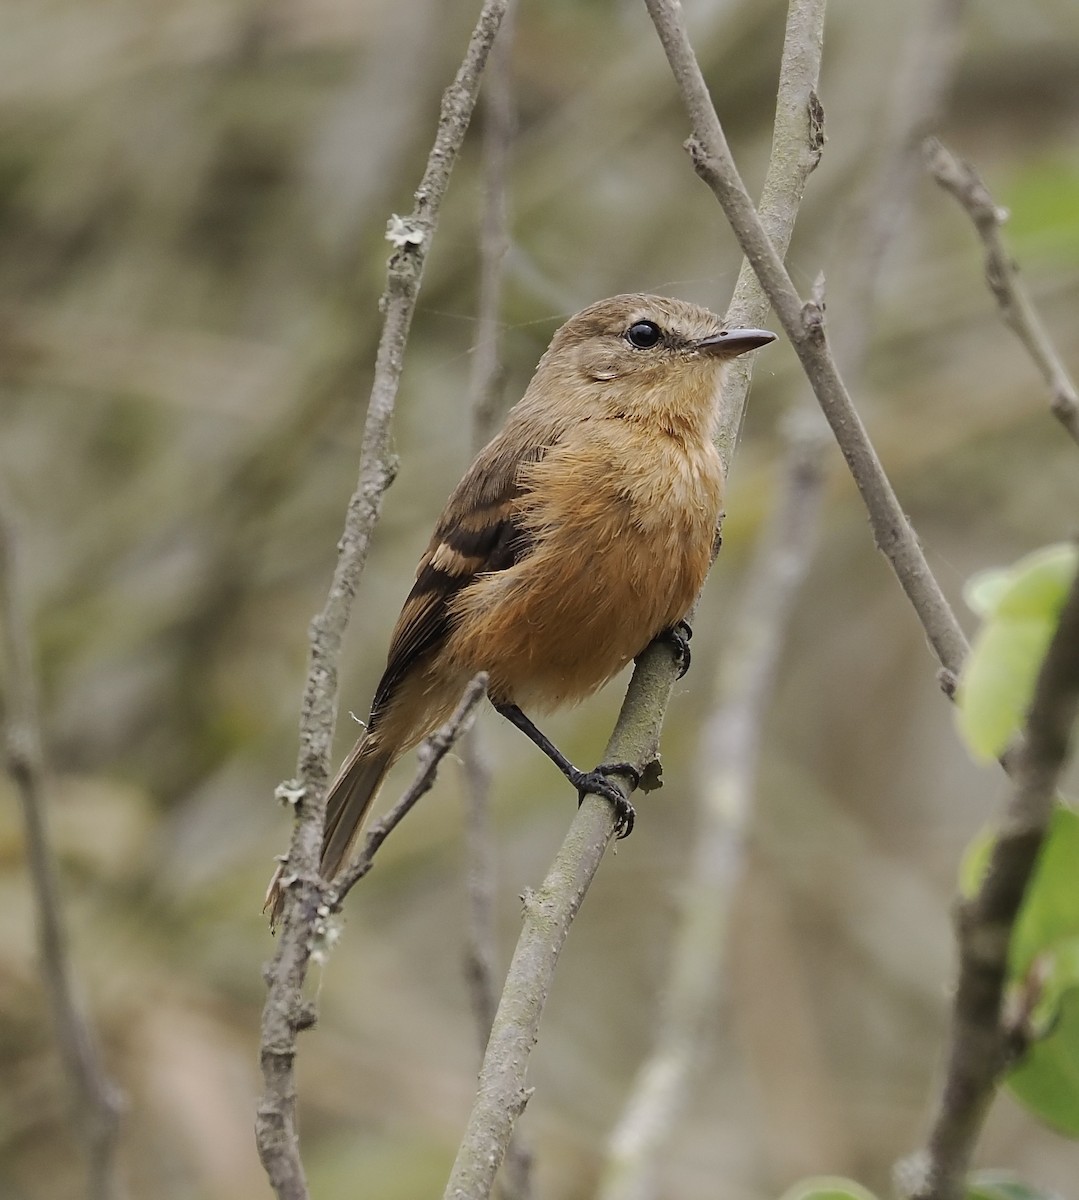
[(677, 637), (598, 783)]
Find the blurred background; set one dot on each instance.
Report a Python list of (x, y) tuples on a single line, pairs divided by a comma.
[(193, 197)]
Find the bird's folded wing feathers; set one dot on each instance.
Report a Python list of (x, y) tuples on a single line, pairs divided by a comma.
[(479, 531)]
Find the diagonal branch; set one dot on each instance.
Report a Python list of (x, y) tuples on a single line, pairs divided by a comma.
[(804, 326), (550, 910), (980, 1043), (284, 1013), (1001, 273), (96, 1102), (431, 753)]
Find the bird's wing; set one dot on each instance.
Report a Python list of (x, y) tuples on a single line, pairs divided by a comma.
[(479, 531)]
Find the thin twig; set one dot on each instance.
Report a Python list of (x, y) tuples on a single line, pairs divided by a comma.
[(432, 751), (726, 773), (1016, 308), (284, 1013), (804, 326), (97, 1103), (549, 911), (981, 1044)]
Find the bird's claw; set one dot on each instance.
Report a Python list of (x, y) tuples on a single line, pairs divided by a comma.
[(677, 637), (598, 783)]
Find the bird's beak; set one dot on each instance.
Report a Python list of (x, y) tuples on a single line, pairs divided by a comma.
[(729, 342)]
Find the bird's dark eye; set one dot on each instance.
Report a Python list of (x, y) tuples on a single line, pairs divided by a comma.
[(643, 334)]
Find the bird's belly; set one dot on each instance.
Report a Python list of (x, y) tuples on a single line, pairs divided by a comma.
[(585, 601)]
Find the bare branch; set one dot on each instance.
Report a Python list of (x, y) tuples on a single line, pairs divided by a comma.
[(284, 1012), (726, 777), (1001, 273), (97, 1103), (548, 913), (981, 1042), (804, 325)]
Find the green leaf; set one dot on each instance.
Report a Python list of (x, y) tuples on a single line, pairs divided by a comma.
[(1039, 582), (982, 592), (1021, 607), (1002, 1185), (994, 692), (1049, 916), (827, 1187), (1047, 1080)]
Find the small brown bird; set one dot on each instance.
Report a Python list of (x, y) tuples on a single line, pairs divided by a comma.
[(582, 532)]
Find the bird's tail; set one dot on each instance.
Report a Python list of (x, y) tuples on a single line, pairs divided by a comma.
[(351, 795)]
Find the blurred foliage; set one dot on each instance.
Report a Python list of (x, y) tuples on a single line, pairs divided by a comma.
[(999, 1185), (193, 195), (827, 1187), (1020, 609)]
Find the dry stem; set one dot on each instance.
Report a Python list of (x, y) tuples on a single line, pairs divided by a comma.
[(804, 326), (1001, 273)]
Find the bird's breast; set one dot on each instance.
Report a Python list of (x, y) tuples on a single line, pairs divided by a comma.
[(622, 529)]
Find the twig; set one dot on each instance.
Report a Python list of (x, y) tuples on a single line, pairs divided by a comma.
[(97, 1103), (548, 912), (433, 750), (726, 772), (284, 1013), (1001, 273), (981, 1043), (804, 326)]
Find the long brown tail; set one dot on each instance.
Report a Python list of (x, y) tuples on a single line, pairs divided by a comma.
[(351, 794)]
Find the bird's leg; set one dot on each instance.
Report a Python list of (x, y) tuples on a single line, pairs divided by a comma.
[(595, 782), (677, 637)]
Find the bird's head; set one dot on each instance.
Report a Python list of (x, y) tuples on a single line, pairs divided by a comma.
[(636, 354)]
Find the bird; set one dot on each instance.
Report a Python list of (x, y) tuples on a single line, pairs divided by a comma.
[(581, 533)]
